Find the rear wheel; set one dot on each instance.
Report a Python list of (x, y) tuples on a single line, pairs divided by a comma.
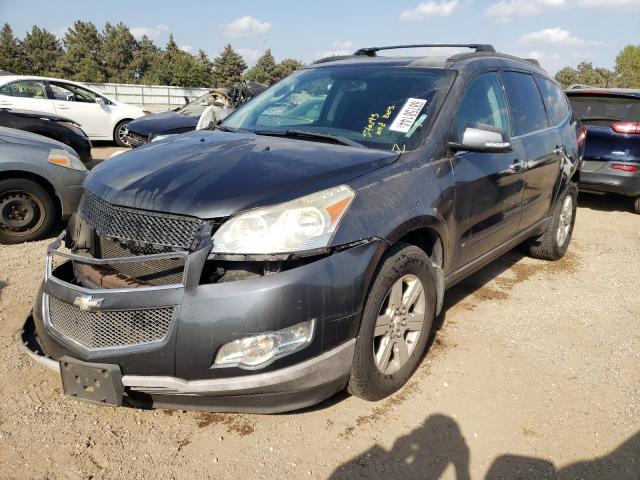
[(555, 241), (395, 325), (636, 205), (27, 211), (120, 133)]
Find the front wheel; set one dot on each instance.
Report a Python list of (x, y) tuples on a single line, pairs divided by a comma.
[(120, 133), (395, 325), (554, 242), (27, 211)]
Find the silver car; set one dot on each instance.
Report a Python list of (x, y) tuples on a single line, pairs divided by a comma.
[(40, 184)]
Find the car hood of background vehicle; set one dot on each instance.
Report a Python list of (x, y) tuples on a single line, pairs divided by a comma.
[(159, 123), (216, 174)]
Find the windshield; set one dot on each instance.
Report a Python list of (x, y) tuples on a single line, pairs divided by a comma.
[(389, 108), (197, 106)]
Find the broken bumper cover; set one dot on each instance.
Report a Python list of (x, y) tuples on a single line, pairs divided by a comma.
[(290, 388), (175, 369)]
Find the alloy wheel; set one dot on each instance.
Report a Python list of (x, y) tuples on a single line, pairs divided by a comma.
[(564, 224)]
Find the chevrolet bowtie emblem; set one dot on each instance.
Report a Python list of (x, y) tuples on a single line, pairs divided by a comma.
[(88, 303)]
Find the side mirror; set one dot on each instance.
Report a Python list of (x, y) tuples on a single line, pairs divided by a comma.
[(101, 101), (479, 137)]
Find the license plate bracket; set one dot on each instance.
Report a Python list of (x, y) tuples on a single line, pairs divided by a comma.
[(99, 383)]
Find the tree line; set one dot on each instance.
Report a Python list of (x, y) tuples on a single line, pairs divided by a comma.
[(626, 73), (86, 54)]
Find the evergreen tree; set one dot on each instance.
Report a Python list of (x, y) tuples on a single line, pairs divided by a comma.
[(117, 50), (41, 50), (81, 59), (11, 52), (265, 70), (203, 70), (287, 66), (628, 66), (146, 58), (228, 67)]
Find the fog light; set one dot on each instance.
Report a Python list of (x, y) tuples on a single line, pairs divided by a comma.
[(260, 349)]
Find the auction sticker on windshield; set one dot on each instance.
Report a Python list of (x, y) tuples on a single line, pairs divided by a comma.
[(407, 115)]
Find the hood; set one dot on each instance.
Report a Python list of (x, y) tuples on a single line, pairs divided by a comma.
[(160, 123), (210, 174), (11, 135)]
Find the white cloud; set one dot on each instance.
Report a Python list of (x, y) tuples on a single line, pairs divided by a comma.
[(246, 27), (430, 8), (343, 47), (250, 55), (151, 32), (187, 48), (505, 10), (60, 32), (553, 36)]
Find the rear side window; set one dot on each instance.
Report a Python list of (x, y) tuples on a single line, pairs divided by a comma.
[(484, 102), (554, 99), (525, 102), (604, 109), (26, 89)]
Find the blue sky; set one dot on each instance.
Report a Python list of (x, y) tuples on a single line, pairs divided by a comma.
[(557, 32)]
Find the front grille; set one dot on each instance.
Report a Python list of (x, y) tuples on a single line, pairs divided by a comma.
[(110, 329), (164, 271), (136, 140), (138, 225)]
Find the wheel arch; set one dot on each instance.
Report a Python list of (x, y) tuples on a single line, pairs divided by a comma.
[(40, 180)]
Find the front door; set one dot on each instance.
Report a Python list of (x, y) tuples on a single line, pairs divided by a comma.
[(488, 185), (81, 106)]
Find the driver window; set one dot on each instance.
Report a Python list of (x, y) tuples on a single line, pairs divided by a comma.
[(27, 89), (484, 102), (71, 93)]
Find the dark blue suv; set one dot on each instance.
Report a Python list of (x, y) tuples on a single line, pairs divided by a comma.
[(612, 154), (305, 244)]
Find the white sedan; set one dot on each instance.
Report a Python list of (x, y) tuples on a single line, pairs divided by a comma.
[(101, 117)]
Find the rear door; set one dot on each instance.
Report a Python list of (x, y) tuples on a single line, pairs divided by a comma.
[(79, 104), (538, 144), (607, 117), (26, 95), (488, 185)]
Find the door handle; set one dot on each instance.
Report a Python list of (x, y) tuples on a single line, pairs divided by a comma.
[(62, 107), (517, 166)]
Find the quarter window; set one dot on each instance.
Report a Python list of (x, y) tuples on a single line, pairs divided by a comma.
[(525, 102), (554, 99), (484, 102), (26, 89)]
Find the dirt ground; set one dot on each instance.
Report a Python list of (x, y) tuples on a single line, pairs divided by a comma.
[(533, 373)]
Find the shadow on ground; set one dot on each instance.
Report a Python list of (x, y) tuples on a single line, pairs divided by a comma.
[(430, 449), (605, 203)]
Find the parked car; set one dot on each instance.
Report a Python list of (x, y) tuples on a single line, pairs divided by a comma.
[(101, 117), (269, 263), (612, 156), (56, 127), (185, 119), (40, 184)]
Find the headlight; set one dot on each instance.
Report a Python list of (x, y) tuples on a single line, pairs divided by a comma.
[(302, 224), (161, 137), (65, 159), (260, 349)]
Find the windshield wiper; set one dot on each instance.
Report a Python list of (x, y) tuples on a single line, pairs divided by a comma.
[(224, 128), (600, 118), (303, 134)]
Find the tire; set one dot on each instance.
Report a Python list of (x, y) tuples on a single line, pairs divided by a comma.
[(381, 366), (117, 134), (554, 242), (27, 211), (636, 205)]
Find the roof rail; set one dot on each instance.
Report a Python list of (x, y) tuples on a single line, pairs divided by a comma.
[(372, 51), (331, 58)]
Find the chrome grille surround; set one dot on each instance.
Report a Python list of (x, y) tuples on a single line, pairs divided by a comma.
[(138, 225), (110, 329)]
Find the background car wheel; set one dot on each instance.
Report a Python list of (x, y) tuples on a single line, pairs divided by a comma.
[(636, 205), (395, 325), (119, 133), (27, 211), (556, 239)]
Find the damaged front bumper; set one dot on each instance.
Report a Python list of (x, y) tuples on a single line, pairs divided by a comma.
[(175, 367)]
